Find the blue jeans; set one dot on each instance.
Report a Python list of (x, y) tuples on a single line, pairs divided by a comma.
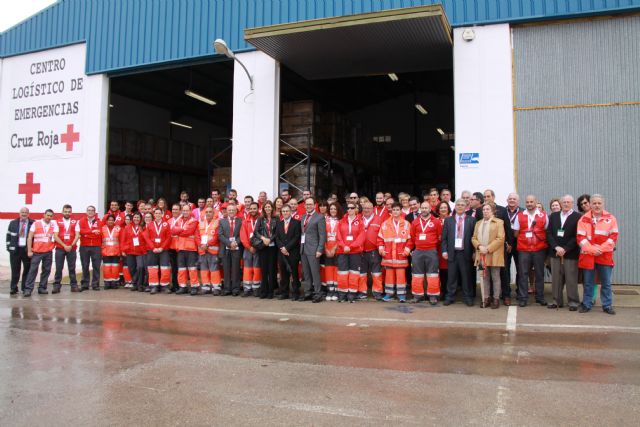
[(589, 276)]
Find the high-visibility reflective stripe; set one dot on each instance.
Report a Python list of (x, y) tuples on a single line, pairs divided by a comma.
[(601, 232), (433, 275)]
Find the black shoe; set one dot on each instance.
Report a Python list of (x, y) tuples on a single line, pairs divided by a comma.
[(319, 298), (56, 290), (26, 294), (447, 302), (194, 290), (248, 294), (84, 288), (154, 290), (416, 300), (283, 296), (270, 296), (541, 302), (183, 290), (469, 303), (552, 306), (522, 304), (97, 288), (235, 294), (226, 293), (43, 292), (433, 300), (216, 292), (13, 291), (609, 310), (583, 309), (573, 308)]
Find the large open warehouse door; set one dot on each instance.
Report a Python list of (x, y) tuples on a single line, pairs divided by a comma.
[(368, 98), (169, 131), (580, 123)]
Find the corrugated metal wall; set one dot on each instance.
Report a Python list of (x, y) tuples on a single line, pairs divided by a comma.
[(588, 149), (122, 34)]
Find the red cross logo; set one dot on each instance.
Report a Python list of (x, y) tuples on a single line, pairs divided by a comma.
[(70, 137), (29, 188)]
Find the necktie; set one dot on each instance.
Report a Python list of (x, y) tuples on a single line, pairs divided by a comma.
[(22, 228), (459, 228), (232, 223), (286, 227)]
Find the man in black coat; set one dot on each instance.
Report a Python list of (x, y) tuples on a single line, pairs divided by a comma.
[(288, 233), (17, 247), (458, 251), (564, 251)]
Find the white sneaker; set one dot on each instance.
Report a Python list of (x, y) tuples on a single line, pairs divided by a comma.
[(128, 285), (334, 298), (327, 298)]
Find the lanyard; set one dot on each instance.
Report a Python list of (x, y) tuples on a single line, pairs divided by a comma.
[(110, 233), (253, 224), (512, 216), (424, 227), (350, 221), (136, 230), (379, 213), (46, 227), (367, 221), (66, 223), (158, 229), (397, 227), (332, 225)]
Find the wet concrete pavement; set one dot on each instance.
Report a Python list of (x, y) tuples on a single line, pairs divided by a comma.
[(122, 358)]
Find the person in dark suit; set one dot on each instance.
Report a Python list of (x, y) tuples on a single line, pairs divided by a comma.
[(501, 213), (17, 234), (414, 205), (266, 231), (231, 250), (512, 209), (564, 252), (458, 250), (312, 240), (475, 206), (288, 232)]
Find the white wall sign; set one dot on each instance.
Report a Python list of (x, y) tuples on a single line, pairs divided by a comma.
[(53, 121)]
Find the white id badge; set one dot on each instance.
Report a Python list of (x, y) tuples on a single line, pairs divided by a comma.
[(22, 241), (422, 237), (157, 240), (250, 235), (331, 239), (136, 241), (203, 240), (67, 237), (528, 234), (232, 239), (349, 238), (302, 239), (560, 233), (458, 243), (397, 240)]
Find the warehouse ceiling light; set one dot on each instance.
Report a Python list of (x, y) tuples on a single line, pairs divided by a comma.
[(440, 131), (182, 125), (221, 48), (393, 77), (199, 97), (420, 108)]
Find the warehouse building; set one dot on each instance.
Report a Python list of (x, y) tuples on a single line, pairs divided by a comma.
[(128, 99)]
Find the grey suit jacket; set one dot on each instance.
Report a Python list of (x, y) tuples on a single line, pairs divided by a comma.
[(224, 231), (315, 234)]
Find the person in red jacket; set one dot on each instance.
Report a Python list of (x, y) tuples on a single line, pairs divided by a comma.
[(350, 237), (597, 236), (380, 209), (134, 250), (114, 209), (41, 240), (173, 246), (208, 251), (67, 234), (394, 245), (370, 256), (251, 274), (186, 228), (90, 249), (426, 233), (111, 250), (157, 239), (529, 229)]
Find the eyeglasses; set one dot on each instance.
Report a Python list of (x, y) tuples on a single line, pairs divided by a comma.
[(584, 202), (351, 207)]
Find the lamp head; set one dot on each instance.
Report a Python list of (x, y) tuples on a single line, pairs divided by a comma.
[(221, 48)]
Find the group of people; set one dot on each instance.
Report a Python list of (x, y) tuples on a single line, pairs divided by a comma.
[(264, 248)]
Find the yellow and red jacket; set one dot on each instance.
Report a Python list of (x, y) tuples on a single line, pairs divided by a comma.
[(111, 240), (174, 237), (432, 231), (353, 236), (601, 233), (43, 239), (188, 234), (157, 237), (393, 242), (210, 231), (332, 233)]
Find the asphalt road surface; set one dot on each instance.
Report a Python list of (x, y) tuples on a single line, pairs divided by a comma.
[(117, 358)]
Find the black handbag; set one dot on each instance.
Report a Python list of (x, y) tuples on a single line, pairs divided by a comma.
[(256, 240)]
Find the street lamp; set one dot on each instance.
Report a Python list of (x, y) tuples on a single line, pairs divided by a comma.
[(221, 48)]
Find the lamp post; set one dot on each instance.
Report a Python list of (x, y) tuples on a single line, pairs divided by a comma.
[(221, 48)]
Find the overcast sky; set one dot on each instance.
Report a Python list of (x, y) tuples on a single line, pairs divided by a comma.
[(15, 11)]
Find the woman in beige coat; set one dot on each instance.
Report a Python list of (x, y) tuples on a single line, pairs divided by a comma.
[(488, 239)]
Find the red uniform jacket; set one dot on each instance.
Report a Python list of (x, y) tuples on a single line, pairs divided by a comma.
[(426, 235), (157, 237), (87, 237), (371, 229), (128, 244), (353, 236), (188, 234)]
